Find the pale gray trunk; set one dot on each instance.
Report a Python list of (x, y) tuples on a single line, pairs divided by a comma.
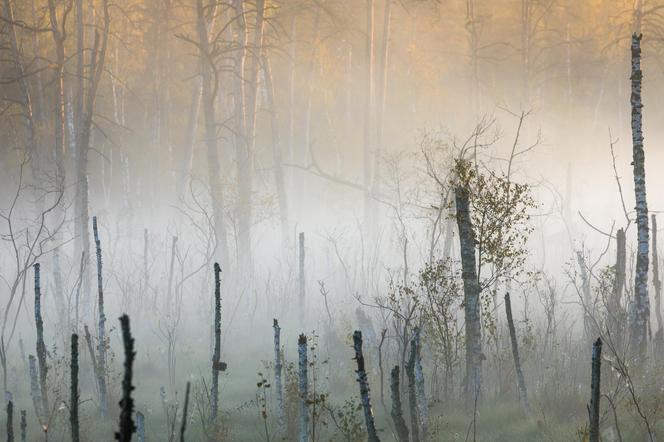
[(303, 388), (140, 427), (640, 312), (521, 381), (364, 388), (101, 326), (471, 292), (382, 95), (281, 422), (615, 307), (368, 120), (420, 391)]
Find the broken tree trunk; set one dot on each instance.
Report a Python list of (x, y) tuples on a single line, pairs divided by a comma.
[(640, 311), (140, 427), (595, 391), (127, 427), (364, 388), (41, 346), (101, 327), (277, 377), (397, 411), (412, 395), (520, 380), (73, 394), (214, 400), (471, 294), (303, 388)]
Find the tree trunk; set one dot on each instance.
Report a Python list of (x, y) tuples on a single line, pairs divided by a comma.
[(73, 395), (277, 378), (216, 357), (521, 381), (364, 388), (412, 394), (397, 412), (471, 292), (368, 120), (127, 427), (101, 327), (595, 392), (422, 403), (10, 421), (585, 292), (640, 311), (41, 346), (382, 94), (303, 388)]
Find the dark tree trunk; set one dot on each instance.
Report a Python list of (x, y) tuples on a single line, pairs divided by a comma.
[(595, 391), (41, 346), (364, 388), (216, 357), (397, 412), (471, 292), (127, 427), (73, 395), (521, 382)]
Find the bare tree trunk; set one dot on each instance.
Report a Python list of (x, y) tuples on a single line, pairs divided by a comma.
[(471, 292), (420, 391), (364, 388), (127, 427), (640, 311), (397, 412), (412, 394), (185, 414), (216, 357), (41, 346), (521, 382), (101, 327), (595, 392), (73, 395), (303, 389), (10, 421), (278, 366), (140, 426)]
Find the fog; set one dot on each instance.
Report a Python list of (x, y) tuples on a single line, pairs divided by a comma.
[(372, 179)]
